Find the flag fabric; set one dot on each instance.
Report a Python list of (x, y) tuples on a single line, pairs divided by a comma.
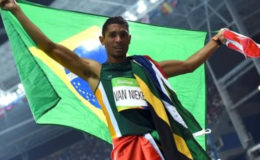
[(175, 129), (136, 147), (57, 96), (242, 44)]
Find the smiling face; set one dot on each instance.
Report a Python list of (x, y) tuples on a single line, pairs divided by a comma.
[(116, 41)]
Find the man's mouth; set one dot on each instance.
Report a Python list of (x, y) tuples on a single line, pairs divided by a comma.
[(118, 48)]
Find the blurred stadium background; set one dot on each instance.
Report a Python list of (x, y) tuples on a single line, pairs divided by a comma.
[(233, 83)]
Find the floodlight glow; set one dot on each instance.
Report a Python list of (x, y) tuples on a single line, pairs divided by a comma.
[(7, 99), (141, 7), (153, 1), (20, 86), (259, 87), (130, 16), (20, 89)]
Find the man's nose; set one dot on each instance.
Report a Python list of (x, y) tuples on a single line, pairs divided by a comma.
[(118, 38)]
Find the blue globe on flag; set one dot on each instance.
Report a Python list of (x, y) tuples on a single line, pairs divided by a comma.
[(91, 49)]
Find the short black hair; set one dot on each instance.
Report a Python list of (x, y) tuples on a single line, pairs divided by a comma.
[(114, 20)]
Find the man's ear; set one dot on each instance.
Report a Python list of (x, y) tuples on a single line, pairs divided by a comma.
[(101, 39)]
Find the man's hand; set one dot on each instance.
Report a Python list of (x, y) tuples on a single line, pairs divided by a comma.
[(221, 36), (8, 5)]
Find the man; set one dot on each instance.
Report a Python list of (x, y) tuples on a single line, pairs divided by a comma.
[(139, 131)]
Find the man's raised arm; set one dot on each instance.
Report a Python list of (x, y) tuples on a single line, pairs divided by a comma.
[(86, 69), (175, 67)]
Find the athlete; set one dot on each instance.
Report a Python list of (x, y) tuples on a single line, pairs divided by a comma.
[(128, 133)]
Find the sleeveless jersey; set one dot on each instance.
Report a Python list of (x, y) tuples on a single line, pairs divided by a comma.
[(122, 101)]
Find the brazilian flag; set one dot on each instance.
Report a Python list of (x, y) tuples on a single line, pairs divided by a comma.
[(57, 96)]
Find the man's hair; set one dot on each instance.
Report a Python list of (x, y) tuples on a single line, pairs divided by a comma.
[(114, 20)]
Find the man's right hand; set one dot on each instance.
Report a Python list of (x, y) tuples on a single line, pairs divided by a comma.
[(8, 5)]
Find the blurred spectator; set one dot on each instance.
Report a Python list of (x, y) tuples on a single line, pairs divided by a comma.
[(82, 151)]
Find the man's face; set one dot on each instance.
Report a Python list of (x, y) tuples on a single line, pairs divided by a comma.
[(116, 41)]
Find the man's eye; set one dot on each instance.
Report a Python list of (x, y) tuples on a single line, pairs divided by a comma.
[(123, 34), (113, 34)]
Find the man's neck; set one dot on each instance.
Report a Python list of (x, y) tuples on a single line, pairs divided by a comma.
[(117, 60)]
